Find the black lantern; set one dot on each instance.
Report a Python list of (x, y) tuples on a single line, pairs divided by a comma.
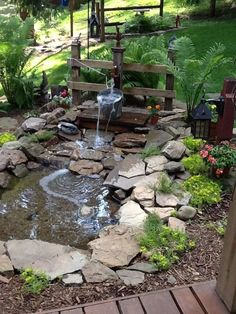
[(201, 120)]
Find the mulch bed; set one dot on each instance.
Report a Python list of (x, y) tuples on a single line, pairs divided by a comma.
[(201, 264)]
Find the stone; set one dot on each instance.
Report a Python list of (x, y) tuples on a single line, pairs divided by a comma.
[(11, 158), (89, 154), (5, 179), (157, 138), (8, 124), (69, 137), (31, 165), (53, 117), (166, 200), (20, 171), (176, 224), (116, 247), (143, 267), (33, 124), (2, 248), (173, 131), (119, 195), (85, 167), (33, 150), (183, 175), (155, 163), (70, 116), (72, 279), (4, 279), (68, 128), (186, 212), (132, 166), (171, 280), (188, 132), (133, 150), (132, 214), (19, 132), (5, 264), (142, 130), (94, 271), (184, 199), (128, 140), (175, 117), (173, 167), (109, 163), (150, 180), (174, 150), (144, 195), (12, 145), (131, 277), (47, 159), (53, 259), (163, 212), (87, 211), (90, 136)]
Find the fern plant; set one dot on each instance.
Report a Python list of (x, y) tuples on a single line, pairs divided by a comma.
[(192, 72)]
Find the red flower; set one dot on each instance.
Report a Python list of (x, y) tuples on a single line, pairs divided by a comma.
[(219, 172), (64, 93), (204, 153), (208, 147), (211, 159)]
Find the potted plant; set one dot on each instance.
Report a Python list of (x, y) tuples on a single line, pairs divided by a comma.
[(153, 110), (63, 100), (219, 158)]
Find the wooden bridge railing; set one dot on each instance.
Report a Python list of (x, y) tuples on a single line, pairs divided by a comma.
[(76, 85)]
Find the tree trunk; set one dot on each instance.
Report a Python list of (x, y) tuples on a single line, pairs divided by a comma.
[(213, 8)]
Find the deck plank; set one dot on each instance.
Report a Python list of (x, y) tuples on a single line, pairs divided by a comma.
[(205, 292), (160, 303), (74, 311), (186, 301), (131, 306), (105, 308)]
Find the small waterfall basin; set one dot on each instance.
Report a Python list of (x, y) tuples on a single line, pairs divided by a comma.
[(56, 206), (110, 101)]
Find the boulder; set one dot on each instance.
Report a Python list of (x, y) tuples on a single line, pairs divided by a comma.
[(94, 271), (69, 116), (5, 264), (11, 158), (132, 214), (5, 179), (69, 137), (143, 195), (68, 128), (174, 150), (157, 138), (72, 279), (109, 162), (20, 171), (12, 145), (131, 277), (85, 167), (53, 117), (166, 200), (32, 150), (186, 212), (33, 124), (132, 166), (143, 267), (89, 154), (8, 124), (163, 212), (128, 140), (173, 167), (184, 199), (116, 247), (31, 165), (155, 163), (176, 224), (53, 259)]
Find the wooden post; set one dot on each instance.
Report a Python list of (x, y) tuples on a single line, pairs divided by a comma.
[(76, 54), (97, 10), (71, 9), (170, 80), (161, 7), (102, 22), (226, 282)]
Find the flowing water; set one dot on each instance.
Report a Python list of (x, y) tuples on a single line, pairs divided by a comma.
[(56, 206)]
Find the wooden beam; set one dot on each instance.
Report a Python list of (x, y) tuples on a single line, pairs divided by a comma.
[(96, 64), (102, 22), (132, 8), (128, 91), (226, 283)]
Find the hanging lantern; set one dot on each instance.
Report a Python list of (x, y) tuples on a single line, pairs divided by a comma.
[(201, 122)]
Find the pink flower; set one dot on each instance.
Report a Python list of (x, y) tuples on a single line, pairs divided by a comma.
[(204, 153), (208, 147), (64, 93), (211, 159), (219, 172)]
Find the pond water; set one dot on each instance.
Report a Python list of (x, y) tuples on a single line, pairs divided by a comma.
[(56, 206)]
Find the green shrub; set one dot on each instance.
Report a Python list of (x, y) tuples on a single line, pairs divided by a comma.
[(193, 144), (203, 190), (195, 164), (42, 136), (218, 226), (166, 185), (34, 281), (6, 137), (150, 151), (163, 244)]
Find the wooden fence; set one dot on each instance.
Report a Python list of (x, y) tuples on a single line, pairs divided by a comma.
[(76, 85)]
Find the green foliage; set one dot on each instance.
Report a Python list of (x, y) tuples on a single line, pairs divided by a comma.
[(163, 244), (166, 185), (203, 190), (145, 24), (34, 281), (150, 151), (14, 56), (192, 72), (193, 144), (218, 226), (6, 137), (42, 136), (194, 164)]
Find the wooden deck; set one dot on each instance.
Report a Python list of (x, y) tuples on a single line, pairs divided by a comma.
[(199, 298)]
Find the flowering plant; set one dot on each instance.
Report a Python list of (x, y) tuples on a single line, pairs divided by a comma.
[(153, 109), (220, 156), (63, 98)]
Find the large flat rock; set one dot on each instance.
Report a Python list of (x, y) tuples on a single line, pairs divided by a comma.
[(8, 124), (144, 195), (157, 138), (116, 247), (174, 150), (33, 124), (128, 140), (155, 163), (132, 214), (132, 166), (53, 259), (94, 271), (131, 277), (85, 167)]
